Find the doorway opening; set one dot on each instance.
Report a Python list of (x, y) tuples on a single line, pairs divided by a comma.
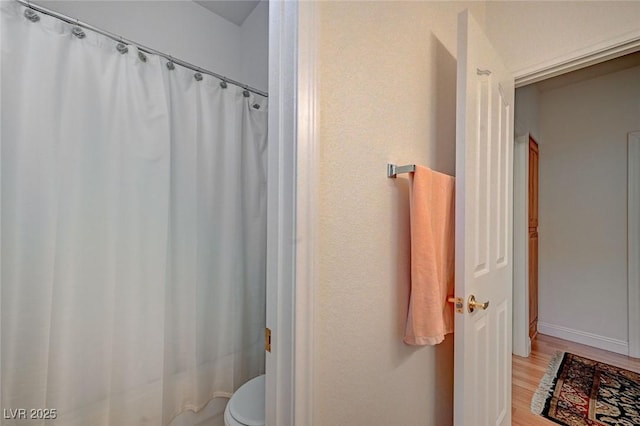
[(582, 121)]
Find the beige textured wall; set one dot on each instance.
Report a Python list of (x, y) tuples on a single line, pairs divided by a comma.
[(388, 89)]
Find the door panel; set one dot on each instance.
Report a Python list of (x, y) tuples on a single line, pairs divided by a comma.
[(484, 170), (533, 284), (533, 183), (534, 155)]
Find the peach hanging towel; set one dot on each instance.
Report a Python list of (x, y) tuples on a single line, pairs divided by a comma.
[(430, 316)]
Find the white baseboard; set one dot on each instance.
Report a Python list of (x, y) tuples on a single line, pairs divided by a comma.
[(585, 338)]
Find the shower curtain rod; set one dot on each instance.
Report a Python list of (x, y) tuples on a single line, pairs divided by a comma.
[(141, 47)]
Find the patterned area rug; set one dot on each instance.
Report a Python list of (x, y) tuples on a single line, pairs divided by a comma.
[(578, 391)]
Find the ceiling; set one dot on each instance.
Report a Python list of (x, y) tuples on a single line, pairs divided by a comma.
[(235, 11)]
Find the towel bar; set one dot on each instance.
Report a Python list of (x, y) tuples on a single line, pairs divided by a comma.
[(393, 170)]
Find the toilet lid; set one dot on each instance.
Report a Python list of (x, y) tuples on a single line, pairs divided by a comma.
[(247, 403)]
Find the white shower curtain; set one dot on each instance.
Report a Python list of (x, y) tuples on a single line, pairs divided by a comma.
[(133, 226)]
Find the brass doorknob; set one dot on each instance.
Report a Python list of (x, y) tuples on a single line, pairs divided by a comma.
[(473, 305)]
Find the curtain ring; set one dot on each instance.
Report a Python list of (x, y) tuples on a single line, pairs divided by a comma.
[(170, 65), (121, 47), (31, 15), (223, 83), (77, 31)]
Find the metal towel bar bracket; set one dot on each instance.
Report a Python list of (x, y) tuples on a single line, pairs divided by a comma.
[(393, 170)]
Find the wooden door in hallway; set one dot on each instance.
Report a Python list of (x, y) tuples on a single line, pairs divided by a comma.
[(533, 237)]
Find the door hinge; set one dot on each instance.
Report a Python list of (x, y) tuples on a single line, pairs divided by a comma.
[(267, 339)]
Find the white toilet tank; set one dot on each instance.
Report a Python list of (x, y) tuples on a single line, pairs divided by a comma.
[(246, 406)]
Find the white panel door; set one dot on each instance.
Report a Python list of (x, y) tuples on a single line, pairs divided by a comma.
[(484, 190)]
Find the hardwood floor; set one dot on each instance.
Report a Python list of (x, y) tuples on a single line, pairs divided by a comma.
[(527, 373)]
